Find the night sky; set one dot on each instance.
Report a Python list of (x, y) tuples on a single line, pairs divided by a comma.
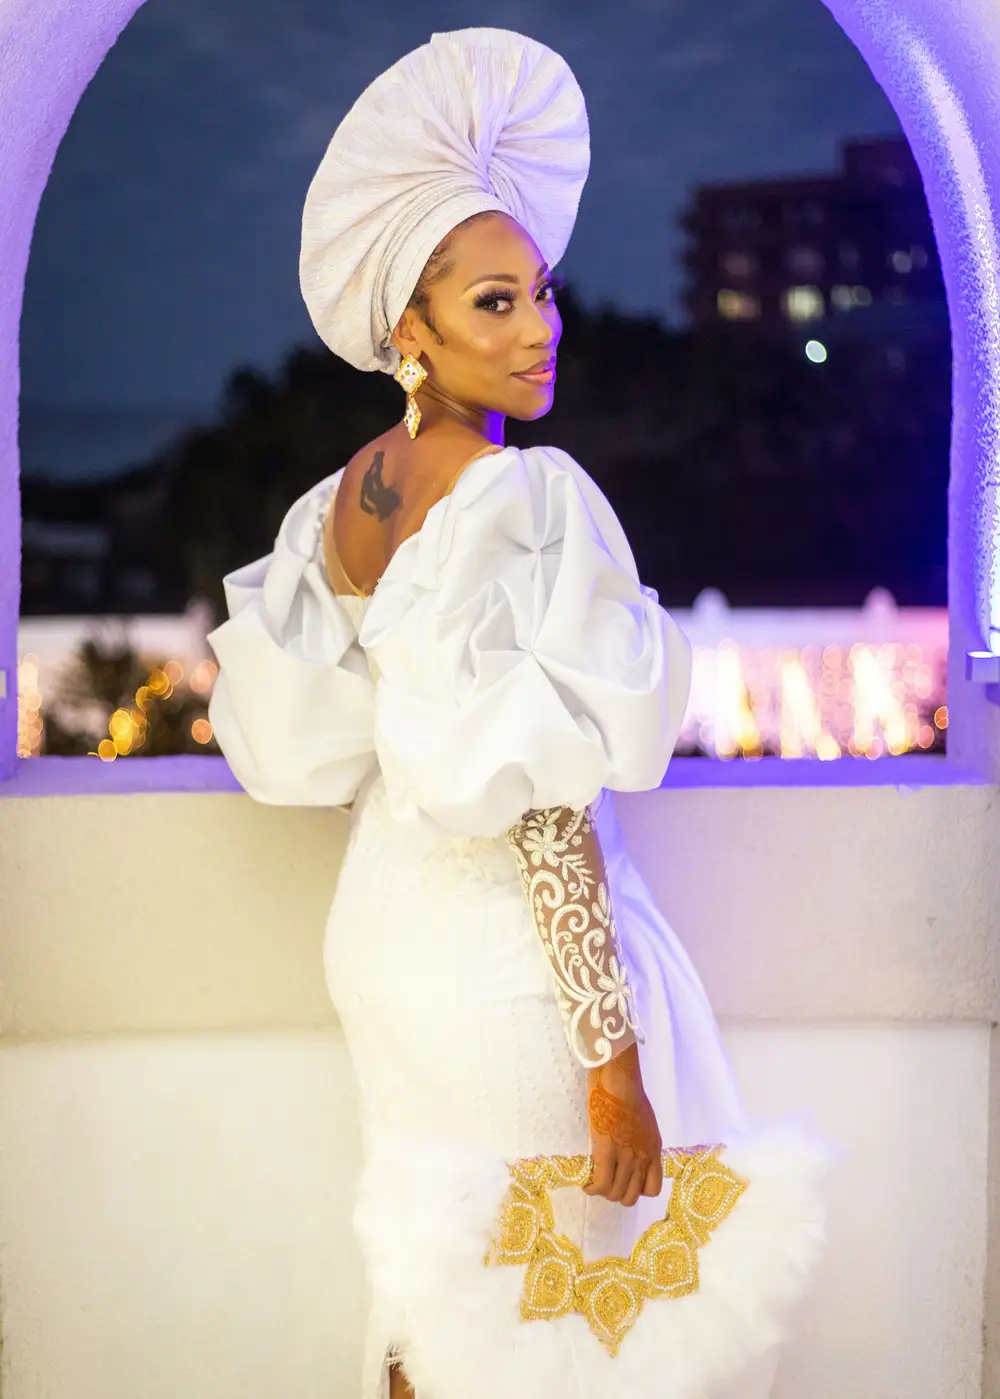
[(166, 248)]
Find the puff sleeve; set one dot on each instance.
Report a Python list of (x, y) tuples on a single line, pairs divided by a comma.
[(292, 706), (521, 664)]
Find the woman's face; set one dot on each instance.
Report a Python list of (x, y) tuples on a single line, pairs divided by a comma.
[(488, 332)]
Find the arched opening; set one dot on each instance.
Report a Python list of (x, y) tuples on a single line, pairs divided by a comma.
[(939, 85)]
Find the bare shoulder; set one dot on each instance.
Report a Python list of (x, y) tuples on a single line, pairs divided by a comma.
[(385, 442), (418, 471), (387, 489)]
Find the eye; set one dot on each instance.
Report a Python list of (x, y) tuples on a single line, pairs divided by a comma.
[(547, 291), (491, 301)]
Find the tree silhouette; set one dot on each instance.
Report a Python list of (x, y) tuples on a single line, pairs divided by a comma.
[(731, 460), (107, 679)]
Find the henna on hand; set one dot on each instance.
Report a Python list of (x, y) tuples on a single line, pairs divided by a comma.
[(611, 1116), (626, 1064)]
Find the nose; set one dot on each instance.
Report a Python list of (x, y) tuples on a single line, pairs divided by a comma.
[(547, 328)]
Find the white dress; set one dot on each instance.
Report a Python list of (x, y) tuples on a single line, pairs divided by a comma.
[(509, 660)]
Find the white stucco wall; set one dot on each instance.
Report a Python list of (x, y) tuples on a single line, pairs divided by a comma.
[(177, 1111), (174, 1213)]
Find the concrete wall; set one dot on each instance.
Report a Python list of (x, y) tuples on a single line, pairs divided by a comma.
[(178, 1114)]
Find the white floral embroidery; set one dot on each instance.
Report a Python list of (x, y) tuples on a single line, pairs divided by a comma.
[(560, 859)]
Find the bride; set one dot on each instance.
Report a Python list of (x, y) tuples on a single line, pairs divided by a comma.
[(560, 1195)]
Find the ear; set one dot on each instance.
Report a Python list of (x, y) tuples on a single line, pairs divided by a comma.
[(403, 337)]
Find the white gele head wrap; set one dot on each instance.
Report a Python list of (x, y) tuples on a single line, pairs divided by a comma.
[(477, 119)]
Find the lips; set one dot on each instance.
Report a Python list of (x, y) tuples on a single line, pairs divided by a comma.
[(542, 372)]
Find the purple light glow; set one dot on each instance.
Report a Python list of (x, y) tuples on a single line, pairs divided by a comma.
[(49, 51), (939, 63), (60, 777)]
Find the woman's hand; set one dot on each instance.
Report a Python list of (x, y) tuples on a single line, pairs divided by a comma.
[(625, 1140)]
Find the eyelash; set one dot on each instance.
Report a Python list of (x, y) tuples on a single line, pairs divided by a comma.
[(488, 300)]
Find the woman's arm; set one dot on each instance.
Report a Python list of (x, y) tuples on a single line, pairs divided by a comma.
[(562, 866)]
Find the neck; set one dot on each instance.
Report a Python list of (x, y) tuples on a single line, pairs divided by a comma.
[(436, 407)]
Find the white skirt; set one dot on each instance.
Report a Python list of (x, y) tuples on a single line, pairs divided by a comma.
[(446, 1000)]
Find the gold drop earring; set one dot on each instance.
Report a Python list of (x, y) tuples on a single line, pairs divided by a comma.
[(410, 375)]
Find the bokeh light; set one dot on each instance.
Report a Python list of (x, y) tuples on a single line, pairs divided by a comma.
[(865, 701), (751, 697)]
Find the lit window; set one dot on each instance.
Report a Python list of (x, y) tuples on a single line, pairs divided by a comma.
[(900, 261), (846, 298), (803, 304), (805, 262), (739, 263), (737, 305)]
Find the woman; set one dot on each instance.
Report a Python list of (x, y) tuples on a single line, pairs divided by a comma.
[(450, 639)]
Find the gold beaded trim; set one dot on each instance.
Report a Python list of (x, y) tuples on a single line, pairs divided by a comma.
[(610, 1293)]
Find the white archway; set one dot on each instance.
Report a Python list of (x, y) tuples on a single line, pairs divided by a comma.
[(939, 64)]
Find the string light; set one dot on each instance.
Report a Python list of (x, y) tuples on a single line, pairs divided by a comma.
[(203, 677), (746, 701), (735, 728), (29, 707), (128, 727), (863, 701)]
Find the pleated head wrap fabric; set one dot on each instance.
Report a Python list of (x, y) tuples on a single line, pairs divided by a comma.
[(474, 120)]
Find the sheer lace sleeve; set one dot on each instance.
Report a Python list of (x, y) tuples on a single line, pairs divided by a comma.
[(562, 866)]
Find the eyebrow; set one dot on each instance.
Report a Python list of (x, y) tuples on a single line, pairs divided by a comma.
[(506, 277)]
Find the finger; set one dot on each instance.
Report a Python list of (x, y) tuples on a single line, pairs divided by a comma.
[(634, 1188), (654, 1176), (604, 1172), (623, 1174)]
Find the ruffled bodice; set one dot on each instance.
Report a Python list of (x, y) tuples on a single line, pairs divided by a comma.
[(509, 658), (293, 702)]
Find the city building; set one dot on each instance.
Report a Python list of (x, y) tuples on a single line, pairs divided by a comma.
[(854, 247)]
